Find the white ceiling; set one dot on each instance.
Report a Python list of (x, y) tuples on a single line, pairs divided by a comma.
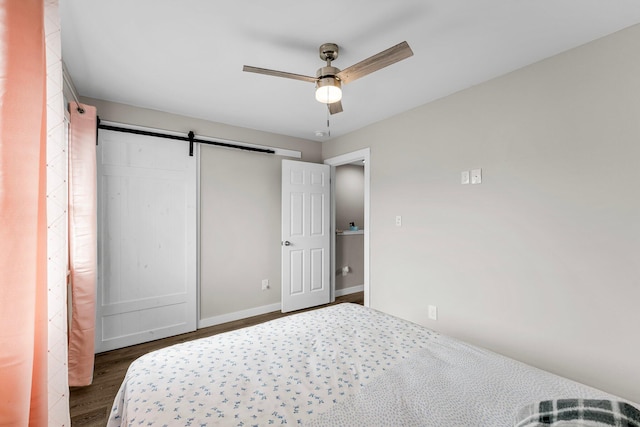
[(186, 56)]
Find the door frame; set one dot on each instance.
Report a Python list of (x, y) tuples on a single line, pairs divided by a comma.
[(343, 159)]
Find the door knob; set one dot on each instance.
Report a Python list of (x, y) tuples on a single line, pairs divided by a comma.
[(286, 243)]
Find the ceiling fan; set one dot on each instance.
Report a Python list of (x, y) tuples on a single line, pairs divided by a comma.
[(329, 79)]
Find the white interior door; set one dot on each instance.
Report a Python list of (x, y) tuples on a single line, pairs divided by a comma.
[(147, 229), (305, 235)]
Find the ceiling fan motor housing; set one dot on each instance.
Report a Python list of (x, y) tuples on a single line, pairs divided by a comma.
[(327, 72)]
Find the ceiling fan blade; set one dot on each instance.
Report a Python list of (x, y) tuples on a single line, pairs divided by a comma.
[(268, 72), (335, 107), (374, 63)]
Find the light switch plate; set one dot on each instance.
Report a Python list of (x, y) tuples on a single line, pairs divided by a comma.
[(464, 177), (433, 312), (476, 176)]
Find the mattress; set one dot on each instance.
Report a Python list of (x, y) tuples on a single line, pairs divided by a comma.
[(340, 365)]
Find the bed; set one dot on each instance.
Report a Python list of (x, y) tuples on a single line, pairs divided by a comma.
[(346, 365)]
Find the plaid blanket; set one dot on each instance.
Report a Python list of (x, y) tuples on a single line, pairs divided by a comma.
[(579, 412)]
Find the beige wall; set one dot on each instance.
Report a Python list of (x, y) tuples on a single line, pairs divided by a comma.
[(349, 199), (349, 196), (239, 208), (541, 261), (239, 230), (127, 114)]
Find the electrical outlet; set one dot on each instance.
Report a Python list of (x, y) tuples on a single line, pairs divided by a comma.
[(433, 312), (265, 284), (398, 221)]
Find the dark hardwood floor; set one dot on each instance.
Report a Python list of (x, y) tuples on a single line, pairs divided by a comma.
[(90, 405)]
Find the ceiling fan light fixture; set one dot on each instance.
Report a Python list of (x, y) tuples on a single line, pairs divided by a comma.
[(328, 90), (329, 79)]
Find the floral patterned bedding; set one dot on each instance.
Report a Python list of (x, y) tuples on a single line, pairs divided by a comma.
[(340, 365)]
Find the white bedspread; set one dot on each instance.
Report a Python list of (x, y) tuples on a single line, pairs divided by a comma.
[(341, 365)]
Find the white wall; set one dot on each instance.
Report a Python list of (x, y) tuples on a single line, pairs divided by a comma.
[(541, 261)]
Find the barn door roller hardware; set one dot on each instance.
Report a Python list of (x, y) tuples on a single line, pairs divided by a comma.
[(189, 138)]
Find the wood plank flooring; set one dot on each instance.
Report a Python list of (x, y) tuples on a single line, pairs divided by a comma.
[(90, 405)]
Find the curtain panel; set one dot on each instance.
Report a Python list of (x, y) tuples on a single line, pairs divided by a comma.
[(82, 242), (23, 226)]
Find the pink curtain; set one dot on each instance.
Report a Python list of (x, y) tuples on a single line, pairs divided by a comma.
[(82, 242), (23, 226)]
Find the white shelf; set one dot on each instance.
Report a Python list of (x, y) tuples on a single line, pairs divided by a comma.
[(349, 232)]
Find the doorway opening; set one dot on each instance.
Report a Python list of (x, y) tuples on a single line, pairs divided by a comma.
[(356, 157)]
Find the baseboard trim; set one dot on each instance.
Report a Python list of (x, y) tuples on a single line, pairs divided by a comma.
[(237, 315), (350, 290), (256, 311)]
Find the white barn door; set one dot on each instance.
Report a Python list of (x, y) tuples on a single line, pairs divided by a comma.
[(306, 227), (147, 227)]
